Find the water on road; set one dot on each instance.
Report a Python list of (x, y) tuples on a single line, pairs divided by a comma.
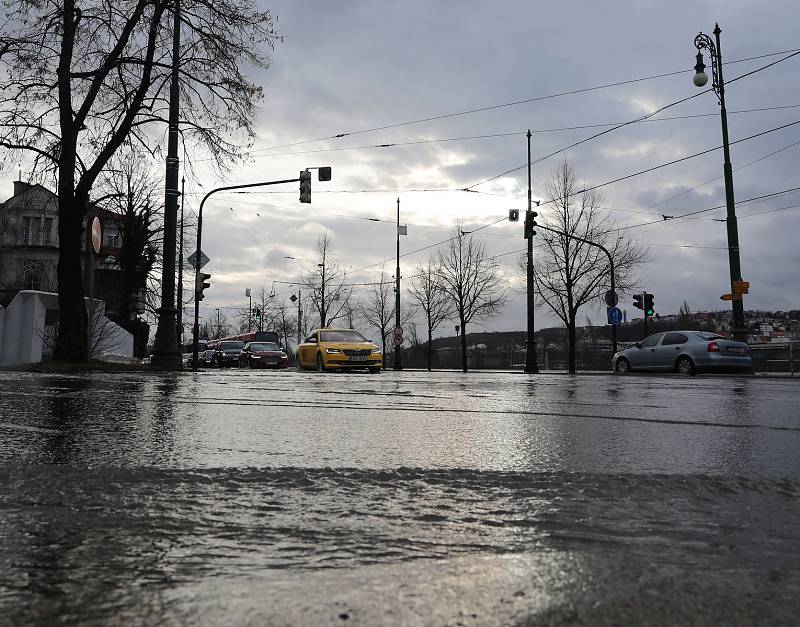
[(401, 498)]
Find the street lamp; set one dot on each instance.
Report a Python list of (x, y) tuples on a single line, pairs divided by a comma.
[(166, 352), (703, 41)]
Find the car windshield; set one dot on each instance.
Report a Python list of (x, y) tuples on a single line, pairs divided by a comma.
[(341, 336), (230, 346), (264, 346), (711, 336)]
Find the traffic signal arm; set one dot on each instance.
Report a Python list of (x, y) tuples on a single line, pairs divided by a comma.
[(305, 186), (648, 304), (201, 283)]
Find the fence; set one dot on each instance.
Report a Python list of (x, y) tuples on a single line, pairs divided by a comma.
[(781, 357), (508, 359), (776, 357)]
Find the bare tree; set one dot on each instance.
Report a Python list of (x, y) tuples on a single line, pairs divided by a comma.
[(79, 81), (330, 294), (378, 307), (135, 197), (426, 289), (284, 323), (571, 273), (470, 278)]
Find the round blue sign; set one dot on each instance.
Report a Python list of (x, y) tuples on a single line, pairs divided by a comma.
[(614, 315)]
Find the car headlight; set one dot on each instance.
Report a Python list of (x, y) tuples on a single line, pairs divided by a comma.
[(332, 351), (256, 356), (376, 351)]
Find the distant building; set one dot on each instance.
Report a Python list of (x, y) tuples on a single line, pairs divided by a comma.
[(29, 246)]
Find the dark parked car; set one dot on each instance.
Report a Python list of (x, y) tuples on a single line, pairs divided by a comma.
[(685, 352), (227, 353), (263, 355), (208, 358)]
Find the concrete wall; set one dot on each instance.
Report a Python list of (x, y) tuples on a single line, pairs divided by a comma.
[(28, 326)]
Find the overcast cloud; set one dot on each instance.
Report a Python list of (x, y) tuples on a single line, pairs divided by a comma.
[(345, 67)]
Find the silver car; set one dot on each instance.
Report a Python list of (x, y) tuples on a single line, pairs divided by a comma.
[(685, 352)]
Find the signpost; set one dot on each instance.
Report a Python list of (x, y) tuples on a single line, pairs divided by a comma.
[(193, 260), (614, 315), (97, 243)]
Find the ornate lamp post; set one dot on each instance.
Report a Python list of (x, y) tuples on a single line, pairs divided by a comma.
[(703, 41)]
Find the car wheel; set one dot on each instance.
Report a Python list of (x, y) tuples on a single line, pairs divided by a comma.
[(623, 366), (684, 366), (320, 363)]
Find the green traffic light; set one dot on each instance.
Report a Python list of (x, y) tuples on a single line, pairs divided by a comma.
[(650, 312)]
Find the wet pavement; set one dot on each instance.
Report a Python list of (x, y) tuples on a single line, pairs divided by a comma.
[(249, 497)]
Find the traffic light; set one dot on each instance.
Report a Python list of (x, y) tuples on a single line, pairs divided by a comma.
[(257, 313), (648, 305), (513, 215), (637, 301), (200, 283), (305, 186), (324, 173), (530, 223)]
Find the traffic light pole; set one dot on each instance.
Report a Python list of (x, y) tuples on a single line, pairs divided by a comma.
[(644, 307), (196, 326), (530, 346)]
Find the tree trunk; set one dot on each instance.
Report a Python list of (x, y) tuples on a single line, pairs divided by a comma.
[(72, 318), (463, 346), (383, 344), (430, 347), (571, 343)]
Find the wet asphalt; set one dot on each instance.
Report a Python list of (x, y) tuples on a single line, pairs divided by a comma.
[(414, 498)]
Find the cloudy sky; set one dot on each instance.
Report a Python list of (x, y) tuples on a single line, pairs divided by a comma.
[(413, 72)]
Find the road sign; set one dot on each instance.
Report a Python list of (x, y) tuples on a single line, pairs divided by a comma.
[(97, 235), (293, 298), (398, 340), (731, 297), (193, 259), (611, 298), (740, 287), (398, 333), (614, 315)]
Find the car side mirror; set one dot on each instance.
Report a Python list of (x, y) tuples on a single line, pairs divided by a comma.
[(637, 345)]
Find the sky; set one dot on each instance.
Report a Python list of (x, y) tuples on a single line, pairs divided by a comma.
[(413, 72)]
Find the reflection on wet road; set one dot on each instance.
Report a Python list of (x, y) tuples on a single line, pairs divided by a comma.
[(250, 496)]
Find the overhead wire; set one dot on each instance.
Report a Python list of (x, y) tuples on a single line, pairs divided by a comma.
[(513, 103)]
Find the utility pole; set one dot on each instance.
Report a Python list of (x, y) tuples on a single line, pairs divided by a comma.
[(299, 318), (398, 360), (530, 346), (179, 315), (166, 354)]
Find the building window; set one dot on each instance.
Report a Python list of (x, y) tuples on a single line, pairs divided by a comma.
[(32, 272), (36, 231), (48, 230), (26, 231), (112, 239)]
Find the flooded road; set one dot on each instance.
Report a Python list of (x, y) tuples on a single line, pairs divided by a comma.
[(246, 497)]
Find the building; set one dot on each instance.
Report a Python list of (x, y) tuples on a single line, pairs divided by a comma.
[(29, 246)]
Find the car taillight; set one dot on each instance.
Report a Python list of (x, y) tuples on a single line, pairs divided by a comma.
[(713, 347)]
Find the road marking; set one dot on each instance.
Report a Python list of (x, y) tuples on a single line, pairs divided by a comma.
[(8, 425)]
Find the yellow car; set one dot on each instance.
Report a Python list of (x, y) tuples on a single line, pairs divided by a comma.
[(338, 349)]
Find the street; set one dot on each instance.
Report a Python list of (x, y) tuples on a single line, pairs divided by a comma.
[(415, 498)]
